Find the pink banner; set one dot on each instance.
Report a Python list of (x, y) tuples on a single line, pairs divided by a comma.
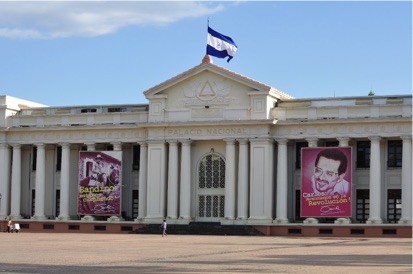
[(326, 182), (100, 181)]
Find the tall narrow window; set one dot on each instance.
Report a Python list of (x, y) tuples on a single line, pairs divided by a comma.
[(362, 205), (136, 157), (34, 158), (363, 154), (394, 153), (298, 147), (135, 203), (394, 205), (59, 158), (57, 209)]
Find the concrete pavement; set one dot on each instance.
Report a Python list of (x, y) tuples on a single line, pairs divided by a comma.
[(136, 253)]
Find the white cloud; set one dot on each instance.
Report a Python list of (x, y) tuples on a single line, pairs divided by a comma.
[(48, 20)]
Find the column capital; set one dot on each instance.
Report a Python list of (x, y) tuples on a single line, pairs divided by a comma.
[(281, 141), (4, 145), (312, 142), (39, 145), (261, 139), (374, 138), (229, 141), (406, 137), (16, 145), (185, 141), (243, 141), (65, 144), (143, 144), (172, 142), (343, 141), (117, 146)]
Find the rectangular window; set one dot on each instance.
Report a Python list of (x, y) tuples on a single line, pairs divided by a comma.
[(297, 216), (394, 153), (362, 205), (59, 158), (135, 203), (298, 147), (136, 157), (33, 201), (394, 205), (363, 154), (34, 158), (57, 206)]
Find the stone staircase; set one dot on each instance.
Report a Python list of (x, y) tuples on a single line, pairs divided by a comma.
[(201, 228)]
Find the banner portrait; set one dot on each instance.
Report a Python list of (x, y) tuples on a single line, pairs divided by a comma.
[(326, 175), (100, 181)]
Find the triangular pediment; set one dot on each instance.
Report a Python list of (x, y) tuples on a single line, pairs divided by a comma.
[(213, 71), (211, 92)]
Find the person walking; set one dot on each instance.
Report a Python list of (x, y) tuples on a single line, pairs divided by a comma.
[(9, 224), (164, 225)]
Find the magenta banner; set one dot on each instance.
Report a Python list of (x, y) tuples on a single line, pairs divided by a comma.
[(100, 181), (326, 182)]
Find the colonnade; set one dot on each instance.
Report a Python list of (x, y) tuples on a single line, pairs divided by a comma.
[(165, 183)]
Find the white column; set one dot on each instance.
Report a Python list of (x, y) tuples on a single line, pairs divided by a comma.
[(143, 169), (40, 183), (185, 190), (4, 180), (312, 142), (156, 181), (375, 182), (282, 184), (64, 183), (262, 181), (343, 141), (90, 147), (16, 182), (173, 187), (230, 188), (406, 217), (243, 173)]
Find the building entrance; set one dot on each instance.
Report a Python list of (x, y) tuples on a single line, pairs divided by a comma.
[(211, 189)]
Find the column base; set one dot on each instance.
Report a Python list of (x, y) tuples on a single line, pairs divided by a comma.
[(405, 221), (15, 217), (310, 221), (39, 218), (63, 218), (115, 219), (342, 221), (88, 218), (281, 221), (374, 221)]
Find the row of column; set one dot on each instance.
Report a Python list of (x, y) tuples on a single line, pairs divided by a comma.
[(15, 190), (249, 170)]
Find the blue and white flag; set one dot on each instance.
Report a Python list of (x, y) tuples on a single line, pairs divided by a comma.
[(219, 45)]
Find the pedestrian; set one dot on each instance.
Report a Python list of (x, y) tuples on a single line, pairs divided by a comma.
[(9, 224), (163, 226)]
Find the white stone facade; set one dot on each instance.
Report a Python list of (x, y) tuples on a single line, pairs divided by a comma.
[(213, 146)]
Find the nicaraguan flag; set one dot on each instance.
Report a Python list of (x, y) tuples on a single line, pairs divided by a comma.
[(220, 46)]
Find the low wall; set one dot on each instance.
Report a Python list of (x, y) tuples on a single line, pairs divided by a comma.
[(295, 230)]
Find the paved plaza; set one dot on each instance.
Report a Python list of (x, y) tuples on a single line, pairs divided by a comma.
[(136, 253)]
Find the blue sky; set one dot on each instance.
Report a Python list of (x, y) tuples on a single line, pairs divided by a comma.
[(91, 53)]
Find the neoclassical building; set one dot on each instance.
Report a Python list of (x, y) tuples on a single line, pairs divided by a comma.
[(210, 145)]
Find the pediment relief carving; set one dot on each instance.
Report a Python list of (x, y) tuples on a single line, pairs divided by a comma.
[(208, 91)]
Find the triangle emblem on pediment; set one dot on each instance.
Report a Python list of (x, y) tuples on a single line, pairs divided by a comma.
[(207, 91)]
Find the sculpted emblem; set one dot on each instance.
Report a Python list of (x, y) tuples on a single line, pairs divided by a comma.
[(207, 91)]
